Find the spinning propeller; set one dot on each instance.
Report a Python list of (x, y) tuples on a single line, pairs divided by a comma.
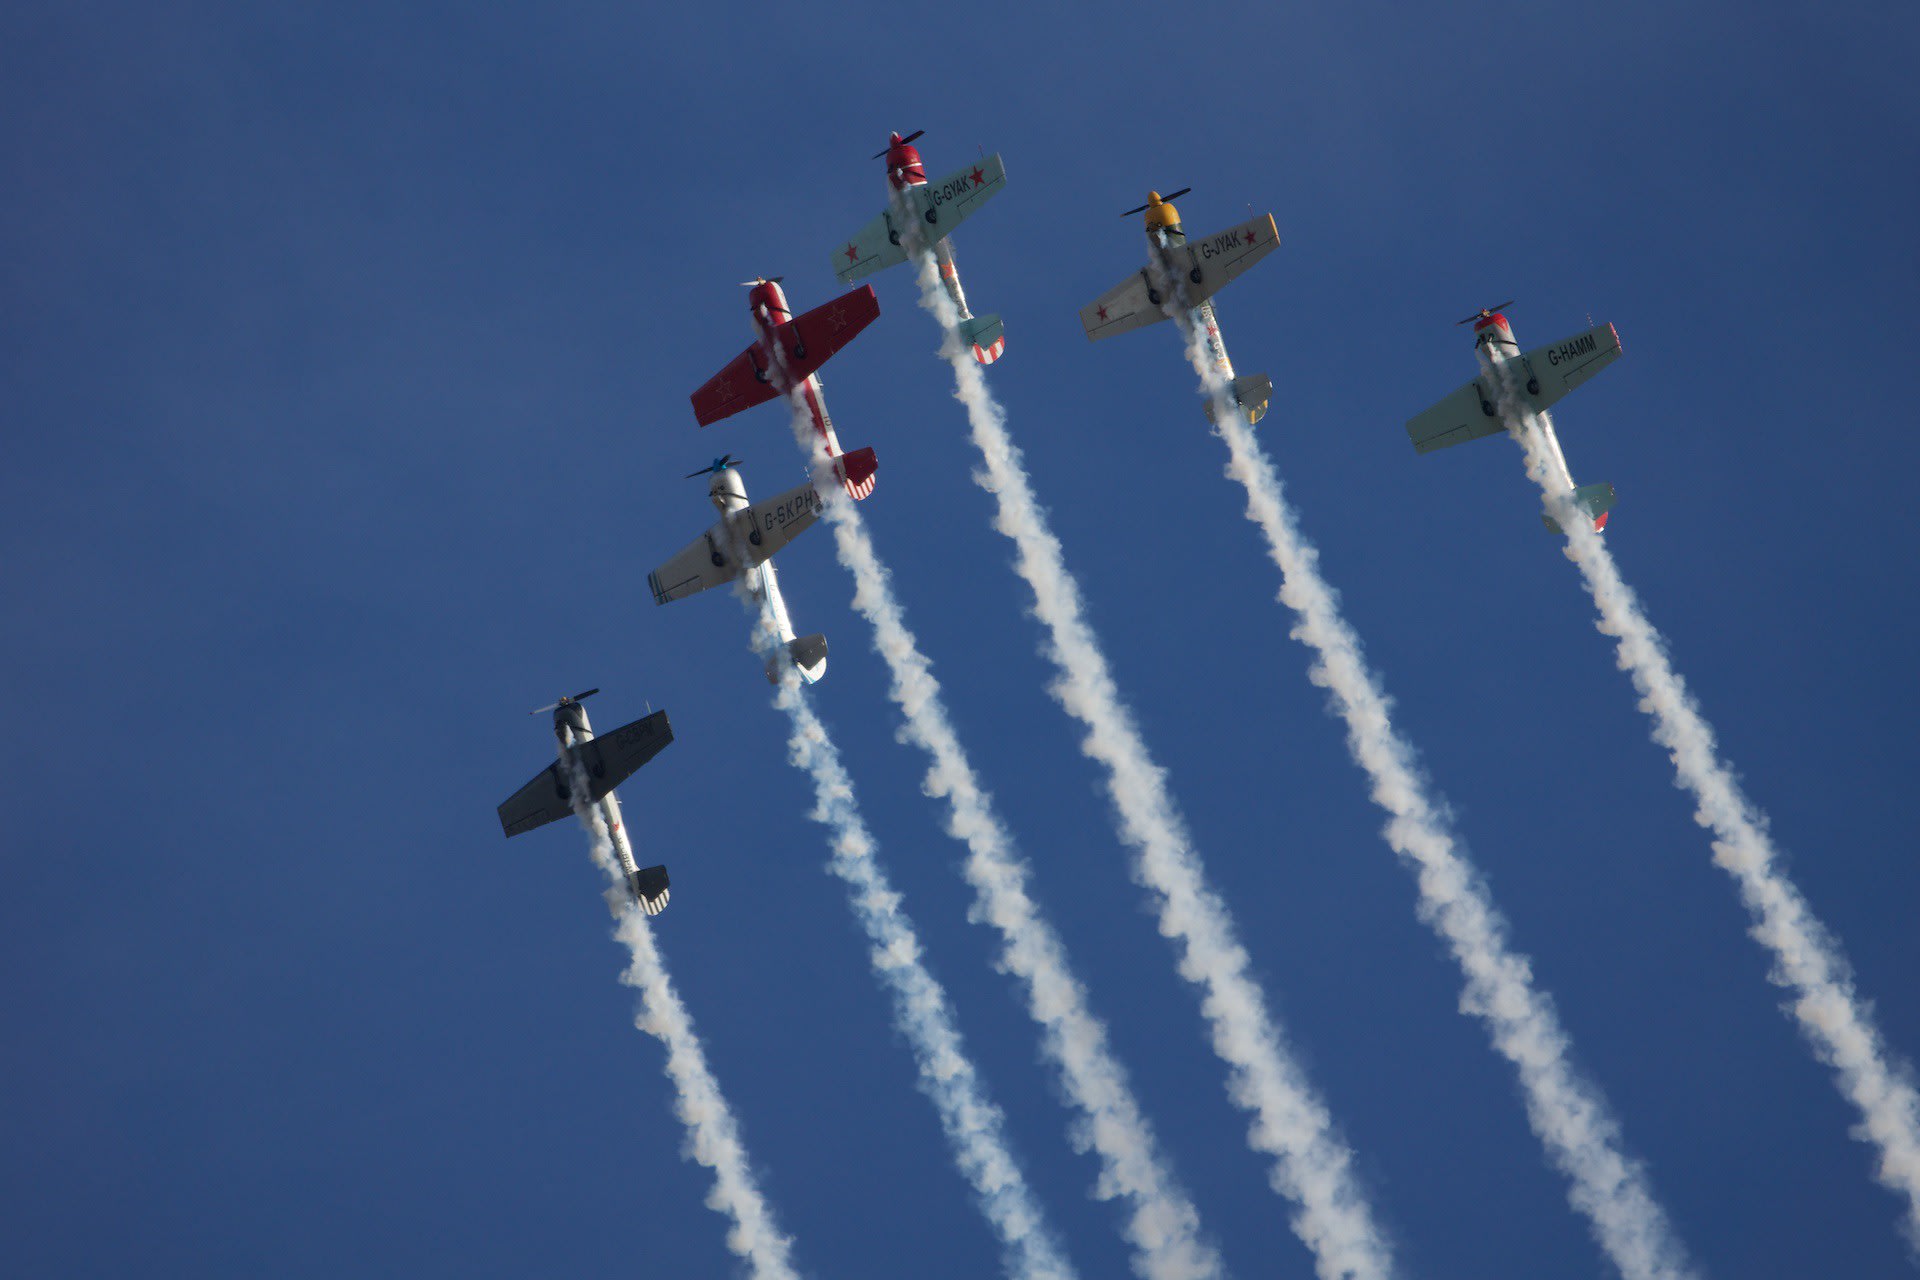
[(1486, 312), (719, 464), (1157, 198), (578, 697), (760, 280), (898, 141)]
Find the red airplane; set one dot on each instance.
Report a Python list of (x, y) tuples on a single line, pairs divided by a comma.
[(783, 359)]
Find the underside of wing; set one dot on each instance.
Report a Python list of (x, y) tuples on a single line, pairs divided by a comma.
[(951, 199), (874, 247), (1561, 366), (1209, 263), (1128, 305), (541, 801), (612, 758), (607, 761), (812, 339), (1465, 415), (736, 387), (705, 562), (773, 523)]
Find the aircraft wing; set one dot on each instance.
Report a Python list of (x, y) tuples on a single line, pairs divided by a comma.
[(1562, 366), (613, 757), (1123, 307), (705, 562), (951, 199), (871, 249), (812, 339), (1455, 420), (772, 524), (607, 761), (1209, 263), (736, 387)]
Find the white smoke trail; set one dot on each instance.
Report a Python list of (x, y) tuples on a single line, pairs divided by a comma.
[(1311, 1166), (713, 1135), (1835, 1019), (1162, 1224), (975, 1127), (1566, 1111)]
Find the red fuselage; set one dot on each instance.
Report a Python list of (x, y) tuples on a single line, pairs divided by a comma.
[(768, 303), (903, 165)]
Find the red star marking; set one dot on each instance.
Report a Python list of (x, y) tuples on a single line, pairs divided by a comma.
[(837, 318), (979, 177), (1103, 313), (853, 254)]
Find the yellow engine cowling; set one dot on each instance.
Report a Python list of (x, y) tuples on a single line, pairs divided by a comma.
[(1161, 215)]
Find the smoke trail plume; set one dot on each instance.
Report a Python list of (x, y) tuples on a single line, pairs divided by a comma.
[(1833, 1017), (713, 1135), (1567, 1112), (1162, 1224), (1290, 1123), (975, 1127)]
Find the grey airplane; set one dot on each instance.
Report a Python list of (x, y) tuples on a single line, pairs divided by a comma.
[(600, 765)]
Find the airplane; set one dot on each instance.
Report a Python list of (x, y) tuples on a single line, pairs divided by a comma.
[(744, 540), (784, 358), (941, 206), (1511, 384), (602, 764), (1186, 273)]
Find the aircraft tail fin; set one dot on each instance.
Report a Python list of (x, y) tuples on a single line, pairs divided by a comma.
[(809, 654), (649, 888), (856, 471), (1595, 499), (1251, 393), (987, 336)]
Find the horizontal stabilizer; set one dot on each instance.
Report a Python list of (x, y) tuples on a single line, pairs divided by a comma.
[(649, 888), (1251, 393), (987, 337), (607, 761), (809, 656), (1595, 499)]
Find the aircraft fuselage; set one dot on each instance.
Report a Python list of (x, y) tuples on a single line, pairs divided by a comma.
[(1502, 367), (768, 303), (571, 728)]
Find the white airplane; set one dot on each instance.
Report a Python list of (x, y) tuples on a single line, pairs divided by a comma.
[(743, 540), (937, 208), (1185, 274), (1511, 384), (602, 764)]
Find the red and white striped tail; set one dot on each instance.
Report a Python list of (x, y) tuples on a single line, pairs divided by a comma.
[(857, 471), (987, 355)]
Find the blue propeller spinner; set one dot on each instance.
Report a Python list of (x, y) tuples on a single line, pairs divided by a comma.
[(719, 464)]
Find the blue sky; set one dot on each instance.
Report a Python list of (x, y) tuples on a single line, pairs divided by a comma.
[(344, 364)]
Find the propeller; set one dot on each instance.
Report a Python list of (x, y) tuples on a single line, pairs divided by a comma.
[(898, 141), (1484, 312), (760, 280), (719, 464), (578, 697), (1163, 200)]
